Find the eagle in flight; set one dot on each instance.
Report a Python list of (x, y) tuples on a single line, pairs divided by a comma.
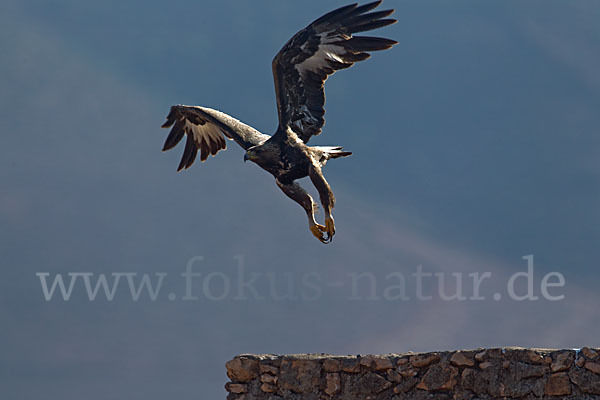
[(299, 71)]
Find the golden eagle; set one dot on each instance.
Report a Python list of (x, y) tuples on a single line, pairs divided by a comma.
[(299, 70)]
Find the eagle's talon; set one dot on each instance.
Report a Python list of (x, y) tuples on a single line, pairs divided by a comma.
[(319, 232), (329, 228)]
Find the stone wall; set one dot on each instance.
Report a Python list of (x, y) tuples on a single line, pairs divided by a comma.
[(508, 373)]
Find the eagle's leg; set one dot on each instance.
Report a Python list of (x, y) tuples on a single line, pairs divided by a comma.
[(295, 192), (327, 198)]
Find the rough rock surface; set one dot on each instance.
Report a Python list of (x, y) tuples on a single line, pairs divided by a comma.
[(499, 373)]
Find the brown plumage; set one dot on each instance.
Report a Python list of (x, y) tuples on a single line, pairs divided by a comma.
[(300, 70)]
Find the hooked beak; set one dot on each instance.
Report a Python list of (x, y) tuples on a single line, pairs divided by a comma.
[(249, 155)]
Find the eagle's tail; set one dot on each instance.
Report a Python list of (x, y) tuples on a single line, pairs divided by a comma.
[(330, 152)]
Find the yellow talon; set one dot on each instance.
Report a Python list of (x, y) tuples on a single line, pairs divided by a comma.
[(324, 233), (329, 227), (318, 231)]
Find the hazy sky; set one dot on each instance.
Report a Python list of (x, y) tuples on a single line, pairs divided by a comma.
[(475, 144)]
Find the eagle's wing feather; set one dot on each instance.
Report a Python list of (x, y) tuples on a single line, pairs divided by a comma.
[(206, 130), (311, 55)]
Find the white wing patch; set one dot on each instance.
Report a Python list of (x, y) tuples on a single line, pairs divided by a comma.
[(207, 133), (326, 52)]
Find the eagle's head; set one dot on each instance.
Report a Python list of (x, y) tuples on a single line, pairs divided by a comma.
[(251, 154), (263, 154)]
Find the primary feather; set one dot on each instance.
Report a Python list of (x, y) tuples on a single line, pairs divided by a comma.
[(302, 66)]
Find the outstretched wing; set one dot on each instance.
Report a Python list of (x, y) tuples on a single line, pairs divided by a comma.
[(311, 55), (206, 130)]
